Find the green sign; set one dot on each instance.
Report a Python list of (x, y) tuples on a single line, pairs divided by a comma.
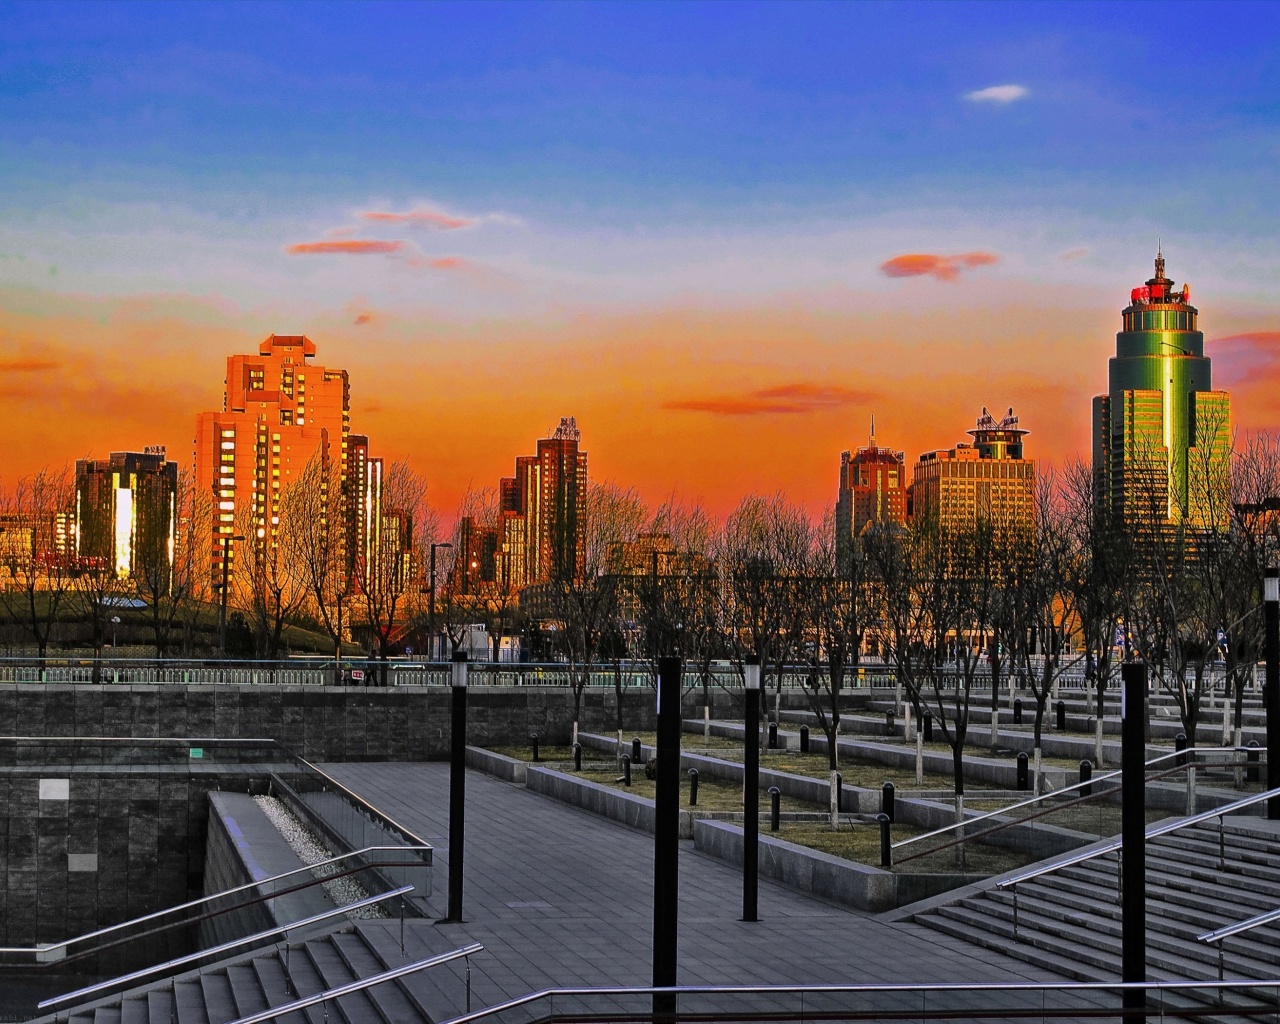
[(197, 751)]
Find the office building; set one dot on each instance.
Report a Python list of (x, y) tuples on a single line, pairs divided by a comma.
[(1161, 434), (988, 480), (125, 515), (873, 490)]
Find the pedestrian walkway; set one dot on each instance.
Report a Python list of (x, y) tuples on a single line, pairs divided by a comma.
[(560, 897)]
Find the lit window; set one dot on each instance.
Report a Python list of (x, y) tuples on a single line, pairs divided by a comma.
[(228, 433), (228, 445), (227, 505)]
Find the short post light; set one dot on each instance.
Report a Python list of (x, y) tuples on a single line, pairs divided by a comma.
[(751, 792), (1271, 601), (457, 782)]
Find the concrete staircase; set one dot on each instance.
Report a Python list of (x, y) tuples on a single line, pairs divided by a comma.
[(270, 977), (1069, 921)]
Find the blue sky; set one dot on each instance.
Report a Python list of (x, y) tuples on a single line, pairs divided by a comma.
[(636, 160)]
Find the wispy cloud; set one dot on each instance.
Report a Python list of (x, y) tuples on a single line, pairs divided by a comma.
[(1071, 255), (785, 399), (944, 268), (420, 218), (27, 365), (353, 247), (1240, 359), (363, 318), (998, 94)]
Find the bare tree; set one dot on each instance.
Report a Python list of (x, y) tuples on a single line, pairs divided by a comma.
[(37, 561), (765, 557), (385, 570), (585, 606), (317, 552)]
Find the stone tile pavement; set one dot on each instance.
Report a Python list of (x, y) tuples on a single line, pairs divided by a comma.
[(560, 897)]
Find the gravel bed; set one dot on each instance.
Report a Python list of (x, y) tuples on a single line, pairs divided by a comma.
[(310, 850)]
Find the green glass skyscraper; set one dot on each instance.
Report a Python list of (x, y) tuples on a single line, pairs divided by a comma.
[(1161, 434)]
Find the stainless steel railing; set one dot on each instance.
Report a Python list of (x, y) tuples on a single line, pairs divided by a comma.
[(51, 951), (204, 954), (940, 1002), (463, 952), (1057, 794)]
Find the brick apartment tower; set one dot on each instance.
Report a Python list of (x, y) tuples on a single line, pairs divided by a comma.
[(873, 489), (986, 480), (277, 410)]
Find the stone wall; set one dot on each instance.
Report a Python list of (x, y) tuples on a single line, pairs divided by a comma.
[(324, 723), (85, 847)]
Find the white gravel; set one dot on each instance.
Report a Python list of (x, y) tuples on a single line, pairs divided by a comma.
[(307, 845)]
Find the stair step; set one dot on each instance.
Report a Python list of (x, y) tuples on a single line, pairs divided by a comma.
[(246, 989), (106, 1015), (133, 1010), (275, 987), (304, 977), (355, 1008), (160, 1008), (394, 1006)]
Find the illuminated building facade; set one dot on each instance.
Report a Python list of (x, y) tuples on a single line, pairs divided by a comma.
[(278, 410), (1161, 434), (125, 515), (873, 490), (540, 508), (987, 480)]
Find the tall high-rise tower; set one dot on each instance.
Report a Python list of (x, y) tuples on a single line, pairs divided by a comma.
[(278, 410), (1161, 434), (873, 490)]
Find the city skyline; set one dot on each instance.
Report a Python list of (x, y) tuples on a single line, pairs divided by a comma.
[(722, 247)]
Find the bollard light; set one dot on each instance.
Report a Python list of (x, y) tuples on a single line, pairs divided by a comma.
[(577, 757), (458, 672), (775, 809), (693, 787)]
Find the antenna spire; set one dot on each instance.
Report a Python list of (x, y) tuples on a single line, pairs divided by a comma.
[(873, 430)]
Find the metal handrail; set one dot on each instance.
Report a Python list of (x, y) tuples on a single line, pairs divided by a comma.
[(158, 741), (802, 990), (1248, 924), (1152, 833), (1188, 753), (359, 986), (204, 954), (67, 943)]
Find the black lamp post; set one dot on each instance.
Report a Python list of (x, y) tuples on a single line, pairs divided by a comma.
[(457, 783), (431, 589), (1271, 601), (751, 791), (222, 605)]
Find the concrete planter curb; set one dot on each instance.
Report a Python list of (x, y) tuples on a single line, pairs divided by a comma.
[(624, 808), (821, 874), (508, 769)]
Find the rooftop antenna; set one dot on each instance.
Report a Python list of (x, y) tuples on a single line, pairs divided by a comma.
[(873, 430)]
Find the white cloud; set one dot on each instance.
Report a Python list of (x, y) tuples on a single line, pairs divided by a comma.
[(997, 94)]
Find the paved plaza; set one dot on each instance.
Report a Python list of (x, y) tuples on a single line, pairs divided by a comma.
[(560, 897)]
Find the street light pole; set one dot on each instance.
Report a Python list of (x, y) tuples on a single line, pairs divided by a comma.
[(1271, 599), (751, 791), (222, 608), (457, 783), (431, 589)]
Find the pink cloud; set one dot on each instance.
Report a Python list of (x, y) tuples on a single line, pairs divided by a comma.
[(350, 247), (1245, 358), (944, 268), (420, 218)]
